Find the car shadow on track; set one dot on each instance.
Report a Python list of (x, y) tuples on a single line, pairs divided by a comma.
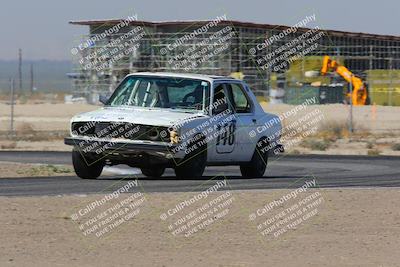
[(204, 178)]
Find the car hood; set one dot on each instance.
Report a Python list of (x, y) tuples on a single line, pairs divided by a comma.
[(137, 115)]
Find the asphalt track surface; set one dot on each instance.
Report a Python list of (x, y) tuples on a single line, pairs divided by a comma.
[(286, 171)]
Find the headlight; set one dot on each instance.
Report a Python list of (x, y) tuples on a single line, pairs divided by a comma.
[(153, 135), (174, 137), (156, 134)]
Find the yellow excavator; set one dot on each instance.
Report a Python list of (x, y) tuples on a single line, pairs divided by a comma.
[(360, 93)]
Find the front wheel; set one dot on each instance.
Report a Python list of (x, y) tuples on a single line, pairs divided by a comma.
[(86, 169), (194, 163), (258, 163), (154, 172)]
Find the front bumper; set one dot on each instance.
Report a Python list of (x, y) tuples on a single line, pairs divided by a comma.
[(134, 153), (101, 146)]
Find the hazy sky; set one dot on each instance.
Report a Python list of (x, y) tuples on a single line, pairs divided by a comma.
[(41, 29)]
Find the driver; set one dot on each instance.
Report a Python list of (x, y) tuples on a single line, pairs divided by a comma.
[(197, 94)]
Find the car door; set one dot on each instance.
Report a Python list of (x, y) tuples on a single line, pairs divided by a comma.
[(223, 125), (245, 120)]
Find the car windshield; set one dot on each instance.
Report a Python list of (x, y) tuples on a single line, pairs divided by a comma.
[(161, 92)]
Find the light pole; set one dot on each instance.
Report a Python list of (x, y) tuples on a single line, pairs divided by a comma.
[(12, 85), (351, 105)]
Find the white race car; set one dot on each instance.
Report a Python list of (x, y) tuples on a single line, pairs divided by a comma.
[(155, 121)]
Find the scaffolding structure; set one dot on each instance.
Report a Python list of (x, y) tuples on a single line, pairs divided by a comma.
[(359, 52)]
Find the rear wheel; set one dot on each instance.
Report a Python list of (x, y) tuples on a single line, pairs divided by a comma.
[(86, 169), (153, 172), (194, 163), (258, 163)]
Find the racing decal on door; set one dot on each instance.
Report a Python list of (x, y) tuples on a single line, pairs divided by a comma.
[(225, 142)]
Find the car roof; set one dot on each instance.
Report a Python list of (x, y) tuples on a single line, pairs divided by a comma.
[(183, 75)]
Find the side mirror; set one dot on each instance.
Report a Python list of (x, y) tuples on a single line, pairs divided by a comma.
[(103, 98)]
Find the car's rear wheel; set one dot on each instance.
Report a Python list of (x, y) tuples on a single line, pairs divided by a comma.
[(86, 169), (153, 172), (258, 163), (194, 163)]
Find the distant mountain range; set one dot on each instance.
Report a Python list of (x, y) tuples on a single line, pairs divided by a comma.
[(49, 75)]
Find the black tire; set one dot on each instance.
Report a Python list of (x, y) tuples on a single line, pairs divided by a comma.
[(84, 170), (258, 163), (194, 163), (154, 172)]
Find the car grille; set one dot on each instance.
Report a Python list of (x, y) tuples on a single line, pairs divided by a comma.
[(123, 130)]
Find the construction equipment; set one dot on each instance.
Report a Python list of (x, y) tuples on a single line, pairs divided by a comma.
[(359, 92)]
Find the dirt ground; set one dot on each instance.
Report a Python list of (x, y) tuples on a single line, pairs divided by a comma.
[(377, 128), (352, 227)]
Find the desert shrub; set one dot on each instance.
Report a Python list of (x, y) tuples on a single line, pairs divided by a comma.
[(46, 170), (334, 130), (8, 145), (369, 145), (313, 144), (396, 147), (373, 152), (25, 128), (294, 152)]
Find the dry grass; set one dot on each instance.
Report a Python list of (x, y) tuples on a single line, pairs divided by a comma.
[(26, 132), (370, 145), (25, 128), (294, 152), (373, 152), (333, 130), (396, 147), (313, 144), (8, 145), (45, 170), (34, 98), (43, 136)]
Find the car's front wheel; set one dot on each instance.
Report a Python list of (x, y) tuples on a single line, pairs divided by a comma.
[(194, 163), (153, 172), (86, 169), (258, 163)]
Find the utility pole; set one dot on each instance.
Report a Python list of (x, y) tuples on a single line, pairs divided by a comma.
[(351, 105), (371, 65), (12, 86), (390, 88), (20, 69), (31, 85)]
